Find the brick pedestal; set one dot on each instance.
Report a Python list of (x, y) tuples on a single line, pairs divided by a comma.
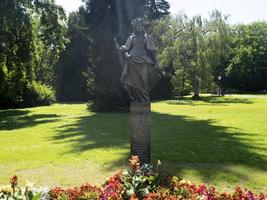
[(140, 131)]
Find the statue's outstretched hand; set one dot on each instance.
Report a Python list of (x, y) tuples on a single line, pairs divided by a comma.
[(158, 69), (156, 66), (117, 46)]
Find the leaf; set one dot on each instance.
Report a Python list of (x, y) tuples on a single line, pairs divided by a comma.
[(144, 191), (37, 196), (130, 192)]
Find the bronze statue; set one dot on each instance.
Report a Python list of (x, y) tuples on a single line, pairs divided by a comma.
[(140, 68)]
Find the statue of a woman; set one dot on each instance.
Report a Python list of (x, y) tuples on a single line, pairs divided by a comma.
[(139, 61)]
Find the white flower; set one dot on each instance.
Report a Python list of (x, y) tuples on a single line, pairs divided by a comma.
[(29, 184)]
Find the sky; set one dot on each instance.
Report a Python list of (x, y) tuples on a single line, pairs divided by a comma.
[(240, 11)]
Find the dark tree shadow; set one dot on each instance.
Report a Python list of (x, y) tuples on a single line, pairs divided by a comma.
[(16, 119), (185, 143), (178, 141), (101, 130)]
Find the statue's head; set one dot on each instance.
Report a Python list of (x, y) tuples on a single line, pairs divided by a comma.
[(138, 25)]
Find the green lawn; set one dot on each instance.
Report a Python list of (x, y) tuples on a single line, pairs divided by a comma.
[(220, 141)]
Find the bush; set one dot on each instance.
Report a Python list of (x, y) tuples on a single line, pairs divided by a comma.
[(26, 94), (36, 94)]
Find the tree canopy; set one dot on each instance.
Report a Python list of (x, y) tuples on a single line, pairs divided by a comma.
[(43, 52), (32, 34), (207, 54)]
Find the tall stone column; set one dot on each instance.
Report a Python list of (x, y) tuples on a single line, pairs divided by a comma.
[(140, 131)]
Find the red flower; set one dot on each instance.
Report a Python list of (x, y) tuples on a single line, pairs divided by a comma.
[(14, 181), (225, 196), (151, 196), (89, 188), (201, 189), (192, 188), (261, 196), (239, 194), (54, 193)]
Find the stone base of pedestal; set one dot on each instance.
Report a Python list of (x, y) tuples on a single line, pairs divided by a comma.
[(140, 131)]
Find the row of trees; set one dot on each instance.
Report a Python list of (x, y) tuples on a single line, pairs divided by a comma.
[(33, 65), (205, 54), (196, 54), (32, 36), (41, 51)]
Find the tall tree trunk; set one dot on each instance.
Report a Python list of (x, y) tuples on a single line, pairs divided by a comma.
[(195, 84)]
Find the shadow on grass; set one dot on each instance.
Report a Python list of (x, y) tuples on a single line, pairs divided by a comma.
[(16, 119), (185, 143), (209, 100), (178, 141), (101, 130)]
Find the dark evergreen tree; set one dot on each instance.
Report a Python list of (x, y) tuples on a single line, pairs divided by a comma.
[(156, 9), (107, 19), (102, 21), (73, 63)]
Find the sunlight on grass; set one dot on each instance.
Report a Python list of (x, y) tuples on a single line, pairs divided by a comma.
[(221, 141)]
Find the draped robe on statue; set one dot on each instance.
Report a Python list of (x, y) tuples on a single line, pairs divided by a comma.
[(139, 72)]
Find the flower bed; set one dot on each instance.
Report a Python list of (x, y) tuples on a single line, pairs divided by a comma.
[(139, 183)]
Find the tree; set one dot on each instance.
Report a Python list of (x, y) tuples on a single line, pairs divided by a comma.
[(51, 32), (157, 9), (21, 44), (103, 24), (167, 32), (16, 40), (106, 20), (186, 52), (74, 61), (247, 69), (218, 48), (195, 52)]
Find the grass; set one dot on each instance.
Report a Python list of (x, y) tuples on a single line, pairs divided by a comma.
[(217, 140)]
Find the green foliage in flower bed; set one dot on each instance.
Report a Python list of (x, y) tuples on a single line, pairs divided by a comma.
[(140, 183), (13, 192)]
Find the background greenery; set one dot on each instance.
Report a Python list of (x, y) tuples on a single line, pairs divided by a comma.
[(217, 140), (45, 54), (32, 35)]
